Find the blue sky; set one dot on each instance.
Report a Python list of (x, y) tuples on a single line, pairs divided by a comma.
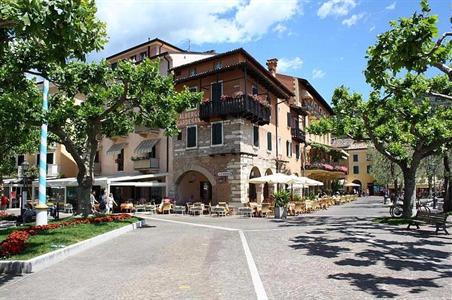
[(323, 41)]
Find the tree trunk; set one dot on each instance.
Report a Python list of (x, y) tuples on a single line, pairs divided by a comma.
[(447, 205), (85, 184), (409, 198)]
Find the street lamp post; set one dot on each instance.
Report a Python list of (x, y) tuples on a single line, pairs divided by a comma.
[(24, 166)]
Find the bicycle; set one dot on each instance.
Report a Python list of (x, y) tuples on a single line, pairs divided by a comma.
[(396, 209)]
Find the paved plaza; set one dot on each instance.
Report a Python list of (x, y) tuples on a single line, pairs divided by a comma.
[(337, 253)]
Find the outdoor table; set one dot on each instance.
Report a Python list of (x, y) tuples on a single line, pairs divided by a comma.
[(179, 209), (246, 211), (220, 211)]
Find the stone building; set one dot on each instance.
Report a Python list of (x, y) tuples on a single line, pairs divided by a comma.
[(251, 123)]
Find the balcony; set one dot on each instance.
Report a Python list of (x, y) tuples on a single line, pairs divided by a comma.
[(146, 164), (298, 135), (52, 170), (238, 107), (331, 167)]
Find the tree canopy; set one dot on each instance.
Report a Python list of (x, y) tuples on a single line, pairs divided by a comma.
[(408, 115)]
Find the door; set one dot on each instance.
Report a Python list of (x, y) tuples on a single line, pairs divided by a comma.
[(217, 90), (205, 192)]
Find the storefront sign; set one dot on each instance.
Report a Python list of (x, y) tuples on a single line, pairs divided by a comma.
[(225, 174)]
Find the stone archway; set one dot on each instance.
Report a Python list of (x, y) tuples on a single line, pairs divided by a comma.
[(194, 184), (252, 189), (267, 188), (360, 188)]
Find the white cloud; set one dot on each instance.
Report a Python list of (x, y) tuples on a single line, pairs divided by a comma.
[(286, 64), (353, 19), (134, 21), (318, 74), (336, 8), (391, 6), (279, 28), (372, 28)]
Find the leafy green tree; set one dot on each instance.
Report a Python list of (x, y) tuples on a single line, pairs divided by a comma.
[(51, 39), (385, 171), (93, 101), (408, 115), (35, 36)]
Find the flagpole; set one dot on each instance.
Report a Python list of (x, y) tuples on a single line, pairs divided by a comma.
[(41, 208)]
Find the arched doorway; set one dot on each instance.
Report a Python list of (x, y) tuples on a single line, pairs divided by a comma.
[(358, 188), (266, 186), (193, 186), (252, 194)]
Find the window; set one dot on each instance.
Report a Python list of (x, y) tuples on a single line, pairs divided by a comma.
[(269, 141), (192, 136), (96, 158), (133, 58), (368, 157), (289, 120), (192, 71), (355, 157), (38, 158), (355, 169), (254, 89), (217, 90), (288, 149), (152, 154), (20, 159), (179, 136), (217, 133), (256, 136), (217, 65), (120, 161), (114, 65), (369, 169), (297, 151), (50, 158), (193, 89), (143, 55)]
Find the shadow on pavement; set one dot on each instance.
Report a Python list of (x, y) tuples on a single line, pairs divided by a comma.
[(403, 250)]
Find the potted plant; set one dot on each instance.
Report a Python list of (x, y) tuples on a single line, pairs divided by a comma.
[(281, 200)]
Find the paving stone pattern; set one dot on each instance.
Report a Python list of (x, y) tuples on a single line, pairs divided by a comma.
[(337, 253)]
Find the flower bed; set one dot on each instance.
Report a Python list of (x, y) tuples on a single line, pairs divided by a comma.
[(4, 216), (16, 242)]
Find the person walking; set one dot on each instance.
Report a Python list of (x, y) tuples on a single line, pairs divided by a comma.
[(4, 202), (110, 203), (93, 201)]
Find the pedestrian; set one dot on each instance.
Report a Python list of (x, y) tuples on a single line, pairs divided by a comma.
[(103, 203), (4, 202), (110, 202), (93, 201)]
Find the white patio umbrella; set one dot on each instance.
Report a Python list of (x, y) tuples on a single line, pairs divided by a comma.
[(351, 184), (276, 178)]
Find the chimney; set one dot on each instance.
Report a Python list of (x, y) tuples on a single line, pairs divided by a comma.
[(272, 63)]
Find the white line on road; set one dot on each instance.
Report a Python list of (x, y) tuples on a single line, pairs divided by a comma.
[(257, 282), (255, 277), (192, 224)]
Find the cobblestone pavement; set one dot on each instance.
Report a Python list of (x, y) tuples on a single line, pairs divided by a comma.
[(337, 253)]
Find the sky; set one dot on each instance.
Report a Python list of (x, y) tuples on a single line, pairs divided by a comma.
[(323, 41)]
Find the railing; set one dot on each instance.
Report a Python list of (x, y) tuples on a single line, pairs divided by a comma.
[(327, 167), (52, 170), (147, 163), (239, 107), (298, 135)]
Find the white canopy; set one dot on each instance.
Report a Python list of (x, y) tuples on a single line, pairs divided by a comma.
[(351, 184), (280, 178), (308, 182)]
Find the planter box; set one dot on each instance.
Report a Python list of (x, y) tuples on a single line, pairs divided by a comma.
[(280, 212)]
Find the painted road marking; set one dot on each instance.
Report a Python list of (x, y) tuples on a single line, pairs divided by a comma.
[(257, 282), (255, 277)]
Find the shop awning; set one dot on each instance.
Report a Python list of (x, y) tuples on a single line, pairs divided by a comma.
[(115, 149), (145, 146), (140, 184)]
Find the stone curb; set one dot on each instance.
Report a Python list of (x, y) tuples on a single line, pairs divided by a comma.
[(43, 261)]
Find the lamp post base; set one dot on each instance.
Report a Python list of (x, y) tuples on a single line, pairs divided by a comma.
[(41, 214)]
